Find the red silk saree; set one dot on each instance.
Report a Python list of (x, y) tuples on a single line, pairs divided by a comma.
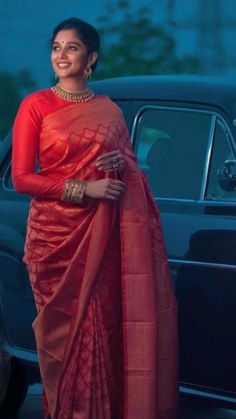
[(106, 326)]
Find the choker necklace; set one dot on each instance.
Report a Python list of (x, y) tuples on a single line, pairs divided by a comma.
[(73, 95)]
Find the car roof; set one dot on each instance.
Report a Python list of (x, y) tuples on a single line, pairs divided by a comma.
[(216, 91)]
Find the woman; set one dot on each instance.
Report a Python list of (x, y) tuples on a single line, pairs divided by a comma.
[(106, 324)]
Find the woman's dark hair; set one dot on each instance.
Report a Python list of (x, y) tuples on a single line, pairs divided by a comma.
[(86, 33)]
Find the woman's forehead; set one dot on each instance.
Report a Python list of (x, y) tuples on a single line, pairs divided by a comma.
[(67, 35)]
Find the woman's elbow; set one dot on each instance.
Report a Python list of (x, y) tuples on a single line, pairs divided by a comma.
[(19, 183)]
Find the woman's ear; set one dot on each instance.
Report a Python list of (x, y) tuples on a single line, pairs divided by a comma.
[(92, 58)]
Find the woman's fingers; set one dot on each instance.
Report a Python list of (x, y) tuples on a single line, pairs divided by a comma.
[(112, 197), (115, 188), (105, 188), (109, 155), (108, 162)]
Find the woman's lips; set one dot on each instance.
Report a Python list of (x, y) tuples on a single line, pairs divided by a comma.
[(63, 65)]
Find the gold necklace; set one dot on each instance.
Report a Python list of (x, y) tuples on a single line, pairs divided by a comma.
[(73, 95)]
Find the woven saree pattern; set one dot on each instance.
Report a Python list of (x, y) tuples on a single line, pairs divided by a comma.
[(106, 326)]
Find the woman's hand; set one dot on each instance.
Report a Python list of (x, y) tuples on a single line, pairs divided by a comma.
[(108, 162), (105, 189)]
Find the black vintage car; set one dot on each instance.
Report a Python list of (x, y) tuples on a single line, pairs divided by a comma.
[(183, 131)]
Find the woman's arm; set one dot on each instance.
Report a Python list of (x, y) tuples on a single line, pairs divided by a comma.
[(24, 152)]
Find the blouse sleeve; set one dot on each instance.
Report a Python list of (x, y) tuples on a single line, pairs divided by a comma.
[(24, 152)]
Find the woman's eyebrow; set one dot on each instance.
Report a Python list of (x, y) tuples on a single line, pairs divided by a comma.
[(68, 42)]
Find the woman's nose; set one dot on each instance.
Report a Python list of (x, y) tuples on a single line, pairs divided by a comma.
[(62, 53)]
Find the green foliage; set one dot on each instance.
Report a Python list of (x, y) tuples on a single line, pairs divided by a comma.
[(135, 45), (12, 88)]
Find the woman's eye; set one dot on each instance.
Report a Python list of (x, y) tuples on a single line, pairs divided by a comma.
[(57, 48)]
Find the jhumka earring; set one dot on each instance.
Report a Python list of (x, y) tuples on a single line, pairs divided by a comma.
[(87, 73), (55, 76)]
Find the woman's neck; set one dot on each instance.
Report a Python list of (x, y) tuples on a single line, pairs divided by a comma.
[(73, 85)]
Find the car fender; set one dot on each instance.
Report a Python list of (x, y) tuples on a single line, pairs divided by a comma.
[(11, 241)]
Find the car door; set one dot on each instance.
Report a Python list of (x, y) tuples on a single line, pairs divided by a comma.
[(16, 298), (180, 149)]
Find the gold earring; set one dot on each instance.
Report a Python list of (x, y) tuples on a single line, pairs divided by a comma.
[(87, 73)]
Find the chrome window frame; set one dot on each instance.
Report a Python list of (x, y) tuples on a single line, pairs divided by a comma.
[(214, 116), (5, 172)]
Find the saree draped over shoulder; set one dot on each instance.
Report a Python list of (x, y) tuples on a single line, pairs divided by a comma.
[(106, 325)]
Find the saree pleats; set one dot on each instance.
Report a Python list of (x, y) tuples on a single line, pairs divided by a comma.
[(106, 324), (92, 374)]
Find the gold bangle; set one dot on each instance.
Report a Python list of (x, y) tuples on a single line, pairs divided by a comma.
[(73, 191)]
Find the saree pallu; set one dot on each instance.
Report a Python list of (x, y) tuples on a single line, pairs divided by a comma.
[(106, 326)]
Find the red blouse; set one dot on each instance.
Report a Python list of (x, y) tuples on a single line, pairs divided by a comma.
[(26, 137)]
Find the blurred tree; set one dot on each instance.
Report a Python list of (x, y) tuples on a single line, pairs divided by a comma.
[(132, 44), (12, 88)]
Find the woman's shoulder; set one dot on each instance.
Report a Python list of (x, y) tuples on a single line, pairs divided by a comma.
[(108, 102), (38, 97), (106, 99), (40, 103), (33, 105)]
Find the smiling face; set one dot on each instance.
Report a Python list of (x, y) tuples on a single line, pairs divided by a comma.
[(70, 56)]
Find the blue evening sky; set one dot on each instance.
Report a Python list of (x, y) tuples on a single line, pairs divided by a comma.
[(26, 25)]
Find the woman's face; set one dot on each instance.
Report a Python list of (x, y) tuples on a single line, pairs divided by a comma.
[(69, 55)]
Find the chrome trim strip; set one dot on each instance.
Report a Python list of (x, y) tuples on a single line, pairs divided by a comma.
[(189, 201), (208, 156), (206, 394), (26, 354), (202, 264), (4, 187), (220, 203), (208, 203)]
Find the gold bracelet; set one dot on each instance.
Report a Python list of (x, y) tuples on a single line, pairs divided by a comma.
[(73, 191)]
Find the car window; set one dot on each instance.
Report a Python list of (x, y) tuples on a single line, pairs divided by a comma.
[(221, 151), (171, 148)]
